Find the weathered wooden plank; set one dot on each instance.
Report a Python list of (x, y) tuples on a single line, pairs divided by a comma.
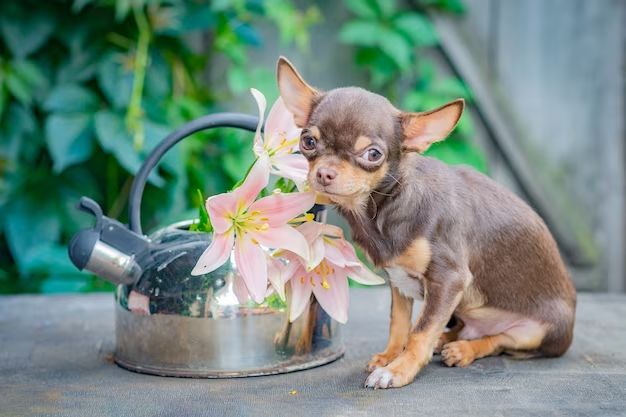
[(553, 97)]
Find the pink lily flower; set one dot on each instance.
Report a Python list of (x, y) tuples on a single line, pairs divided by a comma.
[(280, 141), (240, 222), (275, 272), (335, 261)]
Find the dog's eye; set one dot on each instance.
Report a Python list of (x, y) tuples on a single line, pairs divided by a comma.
[(308, 143), (373, 155)]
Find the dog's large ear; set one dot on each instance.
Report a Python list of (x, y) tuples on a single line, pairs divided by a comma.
[(296, 93), (423, 129)]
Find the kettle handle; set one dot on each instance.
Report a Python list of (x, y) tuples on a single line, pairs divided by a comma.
[(236, 120)]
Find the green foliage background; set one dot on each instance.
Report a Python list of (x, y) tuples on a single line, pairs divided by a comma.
[(88, 87)]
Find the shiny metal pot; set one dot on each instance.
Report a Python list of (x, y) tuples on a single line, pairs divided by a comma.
[(198, 328)]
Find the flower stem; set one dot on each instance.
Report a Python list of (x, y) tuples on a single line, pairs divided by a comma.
[(134, 115)]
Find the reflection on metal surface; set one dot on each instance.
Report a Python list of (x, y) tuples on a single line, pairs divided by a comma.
[(109, 263), (198, 328)]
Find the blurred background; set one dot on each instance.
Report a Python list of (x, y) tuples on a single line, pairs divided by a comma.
[(88, 87)]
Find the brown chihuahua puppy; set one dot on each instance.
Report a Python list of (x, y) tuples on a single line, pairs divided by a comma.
[(450, 235)]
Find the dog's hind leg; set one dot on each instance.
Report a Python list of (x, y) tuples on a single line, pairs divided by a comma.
[(521, 341)]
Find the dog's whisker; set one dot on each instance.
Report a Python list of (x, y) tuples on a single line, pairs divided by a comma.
[(386, 194), (394, 178)]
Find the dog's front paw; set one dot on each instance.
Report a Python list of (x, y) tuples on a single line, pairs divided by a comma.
[(380, 378), (379, 360), (389, 377), (459, 353)]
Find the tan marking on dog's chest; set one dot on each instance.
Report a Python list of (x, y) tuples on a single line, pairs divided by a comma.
[(408, 286), (406, 271), (415, 259)]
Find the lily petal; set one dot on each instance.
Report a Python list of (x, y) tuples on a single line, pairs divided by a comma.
[(331, 230), (221, 209), (257, 179), (317, 253), (294, 265), (240, 290), (261, 104), (291, 162), (363, 275), (215, 255), (292, 166), (280, 208), (335, 299), (276, 276), (280, 124), (334, 254), (348, 252), (283, 237), (252, 265), (300, 294), (311, 230)]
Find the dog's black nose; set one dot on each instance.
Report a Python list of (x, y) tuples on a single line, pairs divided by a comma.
[(326, 175)]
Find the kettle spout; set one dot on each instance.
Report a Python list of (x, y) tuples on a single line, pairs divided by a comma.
[(109, 249)]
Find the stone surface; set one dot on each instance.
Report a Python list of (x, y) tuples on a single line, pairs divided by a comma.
[(56, 359)]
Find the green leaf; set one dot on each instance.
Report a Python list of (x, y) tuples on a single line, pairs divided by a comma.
[(26, 29), (71, 98), (237, 79), (235, 164), (3, 99), (250, 36), (456, 151), (122, 8), (31, 221), (451, 6), (115, 81), (396, 47), (22, 80), (361, 32), (18, 88), (197, 16), (61, 284), (417, 28), (113, 136), (29, 72), (382, 68), (204, 223), (77, 181), (386, 8), (18, 123), (413, 101), (465, 128), (451, 88), (78, 5), (69, 138), (158, 79), (51, 257), (81, 66), (362, 8), (173, 160), (221, 5)]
